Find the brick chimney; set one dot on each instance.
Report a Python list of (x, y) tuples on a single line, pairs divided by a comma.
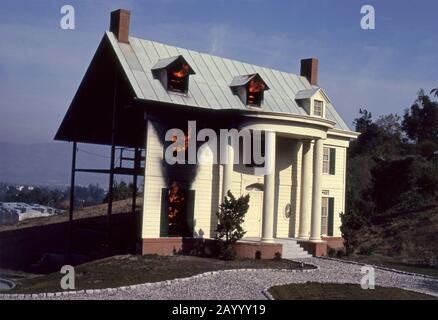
[(309, 69), (119, 24)]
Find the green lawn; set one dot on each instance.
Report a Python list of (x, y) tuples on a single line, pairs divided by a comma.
[(330, 291), (393, 263), (128, 270)]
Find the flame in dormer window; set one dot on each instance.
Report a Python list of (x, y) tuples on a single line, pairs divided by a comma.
[(255, 92), (250, 89), (256, 85), (178, 78), (173, 73), (184, 71)]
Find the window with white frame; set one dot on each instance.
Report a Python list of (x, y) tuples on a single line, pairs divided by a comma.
[(326, 160), (318, 108)]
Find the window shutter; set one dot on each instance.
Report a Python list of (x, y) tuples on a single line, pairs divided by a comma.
[(331, 216), (190, 212), (332, 160), (164, 222)]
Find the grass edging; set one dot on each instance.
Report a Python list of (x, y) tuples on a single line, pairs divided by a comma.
[(381, 268), (136, 286), (269, 296)]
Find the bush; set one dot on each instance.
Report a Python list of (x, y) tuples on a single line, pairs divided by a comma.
[(397, 176), (331, 252), (340, 253), (231, 216), (365, 250), (277, 256), (411, 201), (351, 223), (227, 253)]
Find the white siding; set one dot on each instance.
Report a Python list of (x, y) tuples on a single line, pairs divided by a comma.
[(335, 184), (153, 184), (208, 187)]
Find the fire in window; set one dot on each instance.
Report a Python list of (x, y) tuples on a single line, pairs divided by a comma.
[(255, 92), (250, 89), (173, 74)]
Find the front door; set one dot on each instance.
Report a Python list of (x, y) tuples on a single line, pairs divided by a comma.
[(253, 218)]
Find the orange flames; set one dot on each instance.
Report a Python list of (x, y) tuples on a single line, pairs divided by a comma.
[(256, 86), (186, 141), (176, 207), (183, 72)]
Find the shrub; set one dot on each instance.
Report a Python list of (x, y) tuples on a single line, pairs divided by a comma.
[(231, 216), (340, 253), (277, 256), (351, 223), (331, 252), (227, 253), (365, 250)]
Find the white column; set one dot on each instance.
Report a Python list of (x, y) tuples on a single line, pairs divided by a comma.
[(306, 190), (269, 188), (227, 180), (317, 193)]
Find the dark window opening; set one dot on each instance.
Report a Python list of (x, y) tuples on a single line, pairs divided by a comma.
[(255, 92), (173, 73), (178, 78), (250, 89)]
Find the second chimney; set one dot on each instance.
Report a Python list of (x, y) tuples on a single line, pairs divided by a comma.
[(119, 24), (309, 69)]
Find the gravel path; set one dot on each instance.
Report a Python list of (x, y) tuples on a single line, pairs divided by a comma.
[(248, 285)]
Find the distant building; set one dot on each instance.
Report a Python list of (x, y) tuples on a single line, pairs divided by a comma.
[(13, 212)]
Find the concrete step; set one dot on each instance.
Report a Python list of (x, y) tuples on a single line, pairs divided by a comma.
[(292, 250)]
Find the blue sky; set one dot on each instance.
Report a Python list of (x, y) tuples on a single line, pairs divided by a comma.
[(41, 65)]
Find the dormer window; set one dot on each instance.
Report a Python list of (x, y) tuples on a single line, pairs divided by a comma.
[(318, 106), (314, 101), (250, 89), (173, 74)]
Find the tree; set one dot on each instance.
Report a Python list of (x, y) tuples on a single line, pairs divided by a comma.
[(231, 216), (378, 139), (121, 191), (390, 179), (434, 92), (420, 122), (364, 121), (390, 125)]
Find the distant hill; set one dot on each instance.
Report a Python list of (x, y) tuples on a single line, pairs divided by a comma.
[(49, 163)]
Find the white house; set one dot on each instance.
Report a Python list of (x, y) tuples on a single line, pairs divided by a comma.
[(135, 90)]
